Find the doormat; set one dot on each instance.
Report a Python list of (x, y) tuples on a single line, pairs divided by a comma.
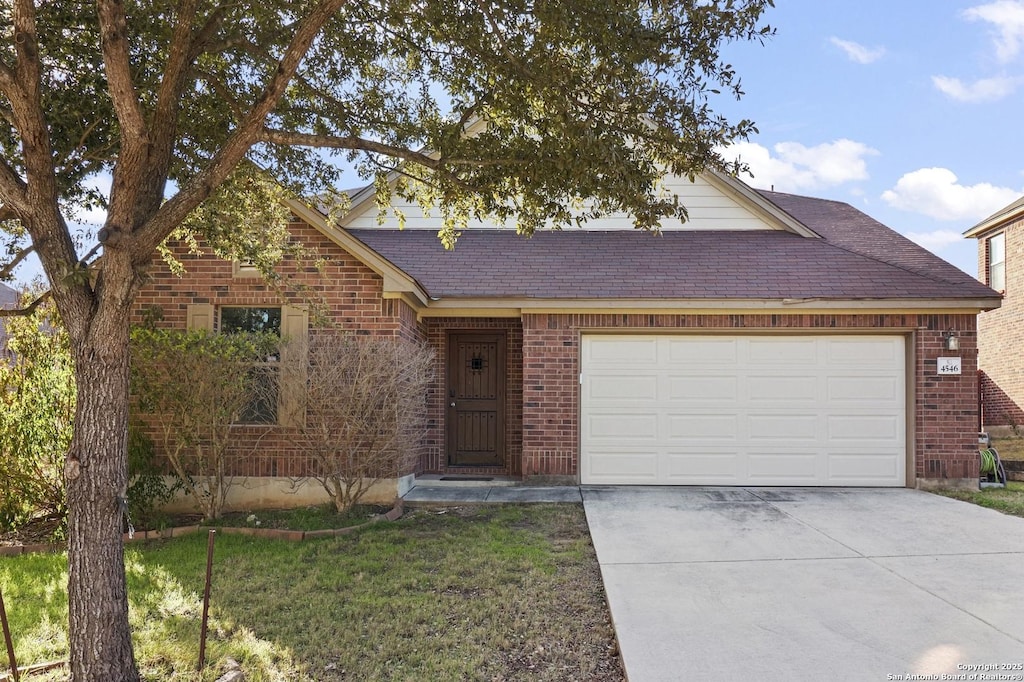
[(467, 478)]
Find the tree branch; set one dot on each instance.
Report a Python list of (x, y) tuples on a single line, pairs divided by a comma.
[(12, 189), (8, 82), (199, 188), (134, 135), (6, 270), (114, 43), (178, 52), (27, 310), (35, 198), (293, 139)]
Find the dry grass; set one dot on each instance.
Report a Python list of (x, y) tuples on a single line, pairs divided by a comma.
[(1009, 500), (484, 593), (1009, 447)]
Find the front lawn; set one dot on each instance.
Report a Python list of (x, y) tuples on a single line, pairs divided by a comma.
[(1009, 500), (301, 518), (471, 593)]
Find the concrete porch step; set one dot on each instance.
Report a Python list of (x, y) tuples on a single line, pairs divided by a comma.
[(464, 481), (437, 492)]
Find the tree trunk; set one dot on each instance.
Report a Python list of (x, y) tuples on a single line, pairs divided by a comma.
[(97, 473)]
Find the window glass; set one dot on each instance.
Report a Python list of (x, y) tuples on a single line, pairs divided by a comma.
[(264, 376), (233, 320), (997, 262)]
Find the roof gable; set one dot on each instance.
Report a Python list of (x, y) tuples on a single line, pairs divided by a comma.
[(714, 201)]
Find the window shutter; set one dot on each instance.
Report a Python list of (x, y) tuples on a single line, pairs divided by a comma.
[(292, 397), (200, 316)]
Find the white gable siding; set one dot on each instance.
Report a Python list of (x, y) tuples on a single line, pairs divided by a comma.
[(709, 209)]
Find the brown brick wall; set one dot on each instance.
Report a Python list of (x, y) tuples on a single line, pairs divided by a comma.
[(1001, 334), (347, 292), (542, 429), (945, 409)]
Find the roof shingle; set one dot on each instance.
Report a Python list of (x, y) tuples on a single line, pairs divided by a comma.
[(858, 258)]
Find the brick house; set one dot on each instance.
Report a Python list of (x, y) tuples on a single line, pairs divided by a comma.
[(772, 339), (1001, 331)]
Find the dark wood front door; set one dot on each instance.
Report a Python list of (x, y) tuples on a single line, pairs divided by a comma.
[(475, 421)]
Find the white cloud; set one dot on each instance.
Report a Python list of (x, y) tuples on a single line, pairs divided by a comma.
[(1007, 17), (981, 90), (936, 240), (796, 167), (936, 193), (857, 52)]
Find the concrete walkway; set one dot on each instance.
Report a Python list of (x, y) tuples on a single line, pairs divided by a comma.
[(808, 584)]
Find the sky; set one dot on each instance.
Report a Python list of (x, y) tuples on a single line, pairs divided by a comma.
[(910, 110)]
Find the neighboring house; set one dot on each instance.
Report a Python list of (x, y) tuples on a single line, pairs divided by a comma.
[(770, 340), (8, 299), (1001, 331)]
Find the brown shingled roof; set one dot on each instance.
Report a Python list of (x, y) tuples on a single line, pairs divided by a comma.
[(858, 258)]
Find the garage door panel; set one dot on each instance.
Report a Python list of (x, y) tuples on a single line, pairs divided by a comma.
[(864, 428), (794, 467), (759, 410), (621, 466), (707, 351), (621, 386), (701, 389), (871, 390), (783, 388), (702, 428), (616, 426), (866, 351), (624, 349), (789, 427), (865, 468), (686, 467), (777, 351)]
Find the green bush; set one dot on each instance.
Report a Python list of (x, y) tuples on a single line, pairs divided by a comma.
[(37, 410), (190, 388)]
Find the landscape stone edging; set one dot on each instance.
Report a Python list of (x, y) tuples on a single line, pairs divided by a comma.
[(179, 531)]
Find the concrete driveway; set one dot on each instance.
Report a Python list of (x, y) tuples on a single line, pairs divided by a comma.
[(808, 584)]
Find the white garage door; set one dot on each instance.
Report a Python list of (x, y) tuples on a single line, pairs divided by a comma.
[(743, 410)]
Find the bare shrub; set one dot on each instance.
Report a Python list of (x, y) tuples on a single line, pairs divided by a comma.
[(192, 387), (366, 413)]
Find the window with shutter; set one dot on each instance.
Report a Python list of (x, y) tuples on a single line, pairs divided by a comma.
[(284, 376), (997, 261), (265, 375)]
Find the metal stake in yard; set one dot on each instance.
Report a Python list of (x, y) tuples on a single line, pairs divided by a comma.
[(7, 638), (206, 599)]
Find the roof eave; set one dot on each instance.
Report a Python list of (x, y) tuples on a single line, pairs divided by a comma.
[(997, 219), (514, 306)]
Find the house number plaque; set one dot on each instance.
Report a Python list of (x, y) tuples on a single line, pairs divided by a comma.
[(948, 365)]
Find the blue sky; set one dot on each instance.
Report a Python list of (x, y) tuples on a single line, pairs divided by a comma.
[(910, 110)]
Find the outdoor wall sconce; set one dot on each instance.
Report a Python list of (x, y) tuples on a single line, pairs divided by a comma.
[(952, 342)]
